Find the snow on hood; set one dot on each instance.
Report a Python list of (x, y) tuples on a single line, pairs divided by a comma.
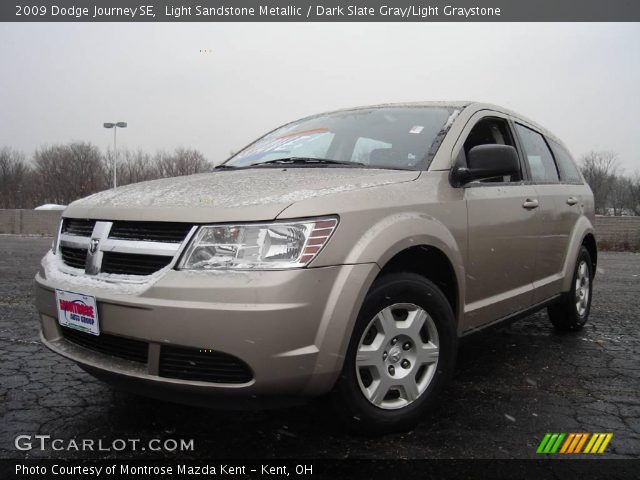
[(242, 188)]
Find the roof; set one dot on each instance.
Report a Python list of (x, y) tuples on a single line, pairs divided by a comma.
[(460, 104)]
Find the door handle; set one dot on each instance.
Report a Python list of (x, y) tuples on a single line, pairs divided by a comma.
[(572, 201), (530, 204)]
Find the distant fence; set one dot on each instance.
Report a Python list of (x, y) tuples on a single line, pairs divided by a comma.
[(618, 233), (613, 233)]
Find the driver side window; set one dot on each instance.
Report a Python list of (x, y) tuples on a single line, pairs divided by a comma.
[(491, 131)]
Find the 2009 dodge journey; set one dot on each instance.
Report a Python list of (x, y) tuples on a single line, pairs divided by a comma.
[(344, 254)]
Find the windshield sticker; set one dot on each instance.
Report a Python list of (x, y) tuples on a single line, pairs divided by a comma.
[(305, 132), (282, 145), (416, 129)]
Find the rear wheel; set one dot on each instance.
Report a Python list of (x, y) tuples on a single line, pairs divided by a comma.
[(401, 353), (573, 310)]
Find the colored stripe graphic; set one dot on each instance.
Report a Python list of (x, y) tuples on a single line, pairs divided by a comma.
[(581, 443), (592, 440), (570, 439), (543, 443), (572, 443), (556, 445), (605, 442)]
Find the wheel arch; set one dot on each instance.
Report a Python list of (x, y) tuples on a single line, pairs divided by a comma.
[(583, 234), (589, 242), (429, 262), (419, 243)]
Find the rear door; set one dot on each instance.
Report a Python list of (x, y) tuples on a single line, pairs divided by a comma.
[(560, 198), (503, 224)]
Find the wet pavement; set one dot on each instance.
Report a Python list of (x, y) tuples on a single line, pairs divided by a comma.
[(512, 385)]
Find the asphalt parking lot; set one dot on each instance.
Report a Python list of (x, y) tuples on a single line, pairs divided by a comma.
[(512, 385)]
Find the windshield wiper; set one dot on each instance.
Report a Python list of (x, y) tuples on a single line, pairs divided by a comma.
[(306, 161), (224, 166)]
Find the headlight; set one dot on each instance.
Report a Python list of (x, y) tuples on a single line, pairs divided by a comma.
[(266, 246)]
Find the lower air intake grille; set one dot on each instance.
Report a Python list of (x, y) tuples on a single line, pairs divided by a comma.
[(121, 347), (74, 257), (133, 263), (201, 365)]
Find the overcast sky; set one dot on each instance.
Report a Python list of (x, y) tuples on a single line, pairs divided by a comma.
[(60, 82)]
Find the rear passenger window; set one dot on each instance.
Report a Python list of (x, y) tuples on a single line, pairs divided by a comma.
[(541, 163), (568, 170)]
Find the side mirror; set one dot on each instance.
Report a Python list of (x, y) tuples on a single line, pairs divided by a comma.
[(486, 161)]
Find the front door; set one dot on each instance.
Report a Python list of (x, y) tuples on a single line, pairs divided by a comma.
[(503, 226)]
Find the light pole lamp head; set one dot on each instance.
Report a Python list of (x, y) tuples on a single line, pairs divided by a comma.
[(109, 125), (121, 124)]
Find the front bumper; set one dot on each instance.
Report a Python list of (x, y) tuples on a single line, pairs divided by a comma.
[(291, 327)]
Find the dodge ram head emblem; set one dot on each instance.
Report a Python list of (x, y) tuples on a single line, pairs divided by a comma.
[(93, 246)]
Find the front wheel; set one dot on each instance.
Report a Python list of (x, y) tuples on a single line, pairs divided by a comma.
[(401, 353), (572, 312)]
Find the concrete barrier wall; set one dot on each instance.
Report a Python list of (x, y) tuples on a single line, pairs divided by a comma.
[(617, 233), (29, 222)]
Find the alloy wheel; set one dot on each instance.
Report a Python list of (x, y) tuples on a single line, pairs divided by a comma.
[(583, 289), (397, 356)]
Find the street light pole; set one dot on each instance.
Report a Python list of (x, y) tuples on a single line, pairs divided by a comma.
[(115, 127)]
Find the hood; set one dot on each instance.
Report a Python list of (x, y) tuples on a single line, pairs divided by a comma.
[(227, 196)]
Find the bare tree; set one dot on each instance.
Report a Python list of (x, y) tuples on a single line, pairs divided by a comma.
[(133, 167), (68, 172), (14, 177), (634, 194), (63, 173), (599, 170), (183, 161), (620, 195)]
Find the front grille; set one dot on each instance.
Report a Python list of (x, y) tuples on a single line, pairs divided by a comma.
[(150, 231), (133, 263), (74, 226), (74, 257), (202, 365), (121, 347), (122, 245)]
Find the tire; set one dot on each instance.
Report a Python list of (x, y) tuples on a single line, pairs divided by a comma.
[(403, 356), (572, 312)]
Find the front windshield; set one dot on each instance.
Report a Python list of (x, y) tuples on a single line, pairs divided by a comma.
[(387, 137)]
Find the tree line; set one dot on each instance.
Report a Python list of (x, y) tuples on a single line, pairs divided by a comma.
[(613, 192), (63, 173)]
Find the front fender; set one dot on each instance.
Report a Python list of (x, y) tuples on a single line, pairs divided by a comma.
[(379, 244), (395, 233)]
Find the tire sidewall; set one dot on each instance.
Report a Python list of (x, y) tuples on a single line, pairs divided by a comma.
[(389, 290), (583, 255)]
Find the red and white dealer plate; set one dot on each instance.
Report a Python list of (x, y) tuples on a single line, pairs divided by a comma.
[(77, 311)]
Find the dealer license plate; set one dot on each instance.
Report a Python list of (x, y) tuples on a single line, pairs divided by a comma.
[(77, 311)]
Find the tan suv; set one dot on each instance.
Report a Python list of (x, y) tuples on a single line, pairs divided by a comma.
[(344, 253)]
